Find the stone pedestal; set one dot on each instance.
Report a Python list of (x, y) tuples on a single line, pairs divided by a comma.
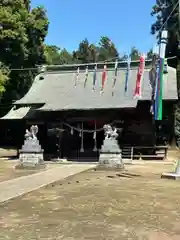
[(173, 175), (31, 155), (110, 155)]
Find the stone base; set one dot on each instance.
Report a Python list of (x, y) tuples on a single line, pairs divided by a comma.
[(110, 161), (110, 146), (35, 167), (31, 160), (171, 175)]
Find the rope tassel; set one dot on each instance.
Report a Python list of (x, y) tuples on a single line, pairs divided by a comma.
[(82, 140), (94, 137)]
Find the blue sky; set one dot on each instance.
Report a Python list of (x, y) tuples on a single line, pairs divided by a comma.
[(126, 22)]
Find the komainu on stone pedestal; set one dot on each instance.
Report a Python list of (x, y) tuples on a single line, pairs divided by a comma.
[(110, 154), (31, 153)]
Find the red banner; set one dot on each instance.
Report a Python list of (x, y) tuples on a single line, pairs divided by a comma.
[(137, 92)]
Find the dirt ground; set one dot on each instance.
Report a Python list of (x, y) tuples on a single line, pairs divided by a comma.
[(98, 205), (8, 171)]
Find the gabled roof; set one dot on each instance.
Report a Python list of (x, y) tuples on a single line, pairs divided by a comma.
[(56, 90), (16, 113)]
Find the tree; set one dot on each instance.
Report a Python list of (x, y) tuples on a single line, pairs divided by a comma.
[(22, 33), (107, 50), (4, 77), (162, 11), (134, 54), (150, 54), (85, 53), (52, 54), (65, 57)]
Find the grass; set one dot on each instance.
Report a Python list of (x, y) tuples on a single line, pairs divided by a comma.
[(98, 205)]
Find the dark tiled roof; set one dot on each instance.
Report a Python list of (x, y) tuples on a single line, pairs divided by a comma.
[(57, 92)]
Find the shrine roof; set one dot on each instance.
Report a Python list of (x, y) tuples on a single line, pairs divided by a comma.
[(55, 90)]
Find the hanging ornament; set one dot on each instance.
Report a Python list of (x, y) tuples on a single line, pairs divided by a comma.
[(127, 74), (82, 140), (86, 76), (137, 92), (115, 76), (72, 131), (79, 130), (94, 137), (77, 77), (94, 77), (104, 73)]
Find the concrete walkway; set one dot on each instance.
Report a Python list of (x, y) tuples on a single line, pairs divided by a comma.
[(18, 186)]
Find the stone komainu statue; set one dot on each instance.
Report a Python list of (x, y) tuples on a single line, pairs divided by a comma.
[(110, 133), (32, 134)]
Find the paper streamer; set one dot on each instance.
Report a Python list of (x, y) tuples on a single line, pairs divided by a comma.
[(115, 77), (137, 92)]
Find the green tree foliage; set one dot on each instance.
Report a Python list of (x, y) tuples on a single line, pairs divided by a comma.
[(22, 32), (134, 54), (161, 11), (85, 53), (52, 54), (4, 77), (107, 49)]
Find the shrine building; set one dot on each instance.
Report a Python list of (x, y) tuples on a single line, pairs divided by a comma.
[(70, 114)]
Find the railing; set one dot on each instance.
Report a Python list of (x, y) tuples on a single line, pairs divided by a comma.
[(130, 152)]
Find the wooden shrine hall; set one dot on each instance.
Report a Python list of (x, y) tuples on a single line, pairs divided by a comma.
[(70, 109)]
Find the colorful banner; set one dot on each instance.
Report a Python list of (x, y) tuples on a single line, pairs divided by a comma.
[(86, 76), (104, 73), (156, 91), (115, 76), (77, 77), (137, 92), (127, 74), (94, 77), (160, 75)]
